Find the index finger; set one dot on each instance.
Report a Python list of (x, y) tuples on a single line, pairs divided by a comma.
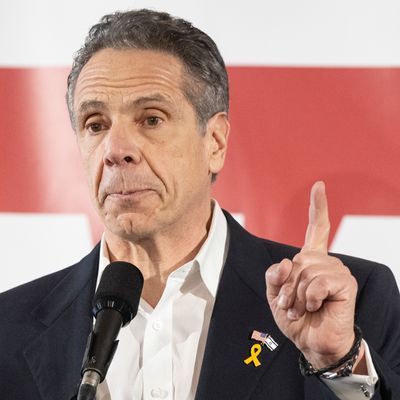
[(318, 228)]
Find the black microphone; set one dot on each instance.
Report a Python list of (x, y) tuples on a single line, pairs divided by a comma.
[(115, 304)]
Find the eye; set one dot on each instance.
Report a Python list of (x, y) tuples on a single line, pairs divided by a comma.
[(94, 127), (152, 121)]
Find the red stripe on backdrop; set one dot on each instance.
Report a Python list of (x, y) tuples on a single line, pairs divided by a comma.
[(290, 127), (40, 168)]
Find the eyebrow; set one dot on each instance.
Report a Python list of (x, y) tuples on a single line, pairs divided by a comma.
[(148, 99), (140, 101), (90, 105)]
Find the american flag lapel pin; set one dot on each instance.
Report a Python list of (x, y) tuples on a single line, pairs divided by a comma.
[(265, 339)]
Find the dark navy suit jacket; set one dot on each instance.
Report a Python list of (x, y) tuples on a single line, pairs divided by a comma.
[(44, 326)]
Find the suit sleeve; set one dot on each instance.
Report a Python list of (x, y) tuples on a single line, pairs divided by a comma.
[(378, 315)]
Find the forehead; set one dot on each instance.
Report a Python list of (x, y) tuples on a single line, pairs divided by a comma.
[(129, 73)]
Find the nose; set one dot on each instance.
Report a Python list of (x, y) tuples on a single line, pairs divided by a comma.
[(120, 147)]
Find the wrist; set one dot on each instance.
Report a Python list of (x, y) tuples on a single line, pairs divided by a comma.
[(322, 360), (339, 368)]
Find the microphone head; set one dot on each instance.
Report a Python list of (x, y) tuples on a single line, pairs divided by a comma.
[(120, 288)]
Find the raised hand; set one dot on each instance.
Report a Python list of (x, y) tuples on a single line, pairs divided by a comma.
[(312, 296)]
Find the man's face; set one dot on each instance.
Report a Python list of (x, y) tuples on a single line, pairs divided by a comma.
[(148, 165)]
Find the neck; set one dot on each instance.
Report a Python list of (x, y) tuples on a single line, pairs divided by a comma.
[(159, 255)]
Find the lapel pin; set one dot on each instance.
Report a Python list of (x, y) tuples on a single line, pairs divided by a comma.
[(254, 352), (265, 339)]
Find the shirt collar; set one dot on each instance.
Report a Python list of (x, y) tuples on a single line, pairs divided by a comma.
[(212, 254), (210, 258)]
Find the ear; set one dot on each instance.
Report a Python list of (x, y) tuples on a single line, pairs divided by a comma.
[(217, 133)]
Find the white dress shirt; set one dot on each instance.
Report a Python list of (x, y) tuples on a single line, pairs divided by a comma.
[(160, 352)]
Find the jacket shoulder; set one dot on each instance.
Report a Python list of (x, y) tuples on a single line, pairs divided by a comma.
[(15, 300), (17, 303)]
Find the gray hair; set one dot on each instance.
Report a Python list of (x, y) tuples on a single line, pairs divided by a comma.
[(205, 81)]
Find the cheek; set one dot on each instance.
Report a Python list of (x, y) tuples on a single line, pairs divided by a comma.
[(191, 166), (92, 158)]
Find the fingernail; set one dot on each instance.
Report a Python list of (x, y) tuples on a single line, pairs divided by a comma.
[(283, 301)]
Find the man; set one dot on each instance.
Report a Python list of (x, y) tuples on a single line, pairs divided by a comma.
[(148, 99)]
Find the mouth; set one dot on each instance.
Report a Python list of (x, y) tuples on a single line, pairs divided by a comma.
[(128, 194)]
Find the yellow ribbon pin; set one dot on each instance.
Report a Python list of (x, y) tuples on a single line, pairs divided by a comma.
[(254, 351)]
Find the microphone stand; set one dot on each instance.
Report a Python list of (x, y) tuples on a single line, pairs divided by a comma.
[(114, 306), (88, 386)]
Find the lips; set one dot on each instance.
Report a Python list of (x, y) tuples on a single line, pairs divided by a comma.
[(124, 186), (127, 193)]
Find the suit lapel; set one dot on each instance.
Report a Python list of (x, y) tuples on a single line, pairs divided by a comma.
[(55, 355), (240, 308)]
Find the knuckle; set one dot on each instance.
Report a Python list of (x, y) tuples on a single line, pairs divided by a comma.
[(313, 297), (301, 288), (347, 273), (346, 269), (269, 272), (307, 274), (313, 305), (335, 260), (322, 282), (286, 290), (298, 258), (353, 282)]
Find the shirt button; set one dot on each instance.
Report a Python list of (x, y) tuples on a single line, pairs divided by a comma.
[(159, 393), (157, 325)]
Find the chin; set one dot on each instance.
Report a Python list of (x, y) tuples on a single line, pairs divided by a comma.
[(130, 226)]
